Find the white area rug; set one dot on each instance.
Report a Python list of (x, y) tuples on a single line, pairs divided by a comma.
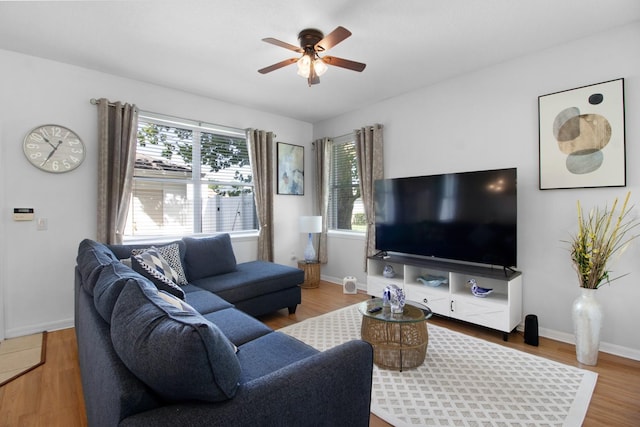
[(464, 381)]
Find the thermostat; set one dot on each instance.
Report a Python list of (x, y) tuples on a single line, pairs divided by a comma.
[(23, 214)]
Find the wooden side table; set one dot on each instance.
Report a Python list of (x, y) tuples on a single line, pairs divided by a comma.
[(311, 274)]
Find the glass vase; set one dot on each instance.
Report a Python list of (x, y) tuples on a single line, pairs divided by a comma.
[(587, 322)]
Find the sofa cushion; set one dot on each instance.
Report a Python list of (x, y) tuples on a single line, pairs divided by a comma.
[(252, 279), (154, 267), (112, 279), (209, 256), (238, 326), (176, 352), (92, 258), (204, 301), (269, 353)]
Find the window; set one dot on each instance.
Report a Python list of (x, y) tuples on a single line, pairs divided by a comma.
[(346, 211), (190, 178)]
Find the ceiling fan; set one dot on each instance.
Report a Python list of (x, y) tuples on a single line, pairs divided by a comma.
[(312, 43)]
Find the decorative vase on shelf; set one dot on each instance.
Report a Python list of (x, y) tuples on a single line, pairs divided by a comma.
[(388, 271), (587, 322)]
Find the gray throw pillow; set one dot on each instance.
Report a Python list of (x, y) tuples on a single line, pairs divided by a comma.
[(176, 352)]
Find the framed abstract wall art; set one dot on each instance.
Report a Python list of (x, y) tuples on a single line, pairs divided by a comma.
[(582, 137), (290, 169)]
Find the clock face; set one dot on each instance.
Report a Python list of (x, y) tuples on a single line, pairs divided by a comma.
[(53, 148)]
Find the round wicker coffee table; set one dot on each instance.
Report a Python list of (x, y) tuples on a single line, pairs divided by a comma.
[(399, 340)]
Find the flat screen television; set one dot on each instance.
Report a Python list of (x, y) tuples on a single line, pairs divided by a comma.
[(467, 216)]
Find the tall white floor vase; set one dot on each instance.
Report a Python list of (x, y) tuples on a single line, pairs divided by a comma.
[(587, 322)]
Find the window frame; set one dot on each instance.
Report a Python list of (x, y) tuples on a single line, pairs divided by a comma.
[(193, 179), (332, 223)]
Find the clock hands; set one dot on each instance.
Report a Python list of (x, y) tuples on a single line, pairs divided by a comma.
[(47, 141), (52, 151)]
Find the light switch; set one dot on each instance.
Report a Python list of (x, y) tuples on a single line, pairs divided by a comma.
[(42, 224)]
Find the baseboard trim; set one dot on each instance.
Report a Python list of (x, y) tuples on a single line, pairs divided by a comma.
[(41, 327), (605, 347)]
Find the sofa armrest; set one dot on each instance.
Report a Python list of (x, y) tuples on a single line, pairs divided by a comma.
[(327, 389)]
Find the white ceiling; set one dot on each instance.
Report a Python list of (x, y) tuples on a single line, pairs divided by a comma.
[(214, 48)]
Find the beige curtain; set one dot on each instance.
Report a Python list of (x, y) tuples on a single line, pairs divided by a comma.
[(261, 156), (117, 129), (322, 150), (370, 163)]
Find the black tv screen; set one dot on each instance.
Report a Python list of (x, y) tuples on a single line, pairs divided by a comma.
[(467, 216)]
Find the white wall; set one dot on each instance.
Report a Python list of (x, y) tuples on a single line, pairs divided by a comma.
[(36, 280), (489, 119)]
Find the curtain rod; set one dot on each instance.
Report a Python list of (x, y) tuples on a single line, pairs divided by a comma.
[(94, 101)]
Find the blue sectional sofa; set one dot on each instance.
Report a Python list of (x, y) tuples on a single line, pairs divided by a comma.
[(153, 352)]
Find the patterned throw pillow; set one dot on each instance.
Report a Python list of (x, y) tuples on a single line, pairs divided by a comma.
[(174, 301), (171, 254), (158, 270)]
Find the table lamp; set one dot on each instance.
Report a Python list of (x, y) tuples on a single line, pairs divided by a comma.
[(310, 224)]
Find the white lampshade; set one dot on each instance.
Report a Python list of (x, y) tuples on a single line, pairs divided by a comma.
[(310, 224)]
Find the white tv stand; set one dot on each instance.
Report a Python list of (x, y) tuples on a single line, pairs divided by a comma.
[(501, 310)]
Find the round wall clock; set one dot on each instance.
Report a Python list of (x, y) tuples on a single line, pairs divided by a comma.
[(53, 148)]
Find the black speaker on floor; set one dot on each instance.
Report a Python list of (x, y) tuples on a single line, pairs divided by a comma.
[(531, 329)]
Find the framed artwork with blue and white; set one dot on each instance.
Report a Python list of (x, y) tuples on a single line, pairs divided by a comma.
[(290, 169), (582, 137)]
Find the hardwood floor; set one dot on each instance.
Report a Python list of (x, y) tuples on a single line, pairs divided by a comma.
[(51, 395)]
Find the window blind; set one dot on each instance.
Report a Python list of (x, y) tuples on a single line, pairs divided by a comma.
[(189, 178)]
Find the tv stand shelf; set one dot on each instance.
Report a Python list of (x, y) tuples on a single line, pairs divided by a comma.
[(501, 310)]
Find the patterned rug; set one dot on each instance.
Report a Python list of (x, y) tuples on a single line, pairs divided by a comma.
[(465, 381)]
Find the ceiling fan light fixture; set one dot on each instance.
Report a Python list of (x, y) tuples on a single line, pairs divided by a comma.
[(320, 67), (304, 66), (312, 42), (305, 63)]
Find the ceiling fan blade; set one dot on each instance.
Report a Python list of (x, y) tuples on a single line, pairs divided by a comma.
[(279, 65), (332, 39), (283, 44), (344, 63)]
